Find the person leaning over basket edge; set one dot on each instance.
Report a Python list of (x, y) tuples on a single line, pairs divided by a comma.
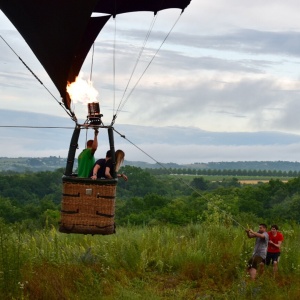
[(103, 167), (98, 170), (86, 158)]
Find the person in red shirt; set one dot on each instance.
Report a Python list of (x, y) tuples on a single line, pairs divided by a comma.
[(273, 252)]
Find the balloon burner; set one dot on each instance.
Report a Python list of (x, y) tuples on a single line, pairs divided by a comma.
[(94, 115)]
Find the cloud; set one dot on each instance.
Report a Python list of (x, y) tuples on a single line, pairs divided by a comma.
[(207, 103), (142, 143), (244, 41), (183, 154), (226, 67)]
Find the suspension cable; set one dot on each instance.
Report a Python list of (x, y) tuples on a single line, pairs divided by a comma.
[(114, 66), (24, 126), (181, 180), (120, 108), (139, 56), (83, 126), (86, 135), (70, 114)]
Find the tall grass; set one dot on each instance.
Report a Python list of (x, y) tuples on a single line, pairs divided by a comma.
[(194, 262)]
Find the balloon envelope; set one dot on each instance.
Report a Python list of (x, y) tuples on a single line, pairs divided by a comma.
[(61, 32)]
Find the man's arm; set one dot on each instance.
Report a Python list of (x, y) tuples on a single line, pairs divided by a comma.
[(249, 233), (107, 173), (95, 142), (95, 171), (256, 234), (276, 245)]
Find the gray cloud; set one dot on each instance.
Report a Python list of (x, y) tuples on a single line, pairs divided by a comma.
[(176, 60), (221, 69), (244, 40), (166, 144), (194, 153)]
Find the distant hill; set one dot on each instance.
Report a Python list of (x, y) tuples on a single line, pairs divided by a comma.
[(36, 164), (239, 165), (32, 164)]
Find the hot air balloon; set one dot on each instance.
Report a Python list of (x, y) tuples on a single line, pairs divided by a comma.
[(60, 34)]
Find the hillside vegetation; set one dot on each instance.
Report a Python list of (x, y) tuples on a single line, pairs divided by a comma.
[(33, 198), (178, 237)]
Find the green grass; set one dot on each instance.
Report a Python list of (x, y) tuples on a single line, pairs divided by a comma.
[(194, 262)]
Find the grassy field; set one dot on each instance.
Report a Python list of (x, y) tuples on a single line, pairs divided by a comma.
[(256, 181), (247, 179), (195, 262)]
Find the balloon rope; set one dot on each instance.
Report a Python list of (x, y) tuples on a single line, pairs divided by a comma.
[(114, 67), (139, 79), (71, 114), (86, 132), (35, 127), (184, 182), (55, 127)]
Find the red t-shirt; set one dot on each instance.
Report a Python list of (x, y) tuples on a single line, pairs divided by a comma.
[(275, 240)]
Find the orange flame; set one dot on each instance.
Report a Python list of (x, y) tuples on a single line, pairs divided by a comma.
[(82, 91)]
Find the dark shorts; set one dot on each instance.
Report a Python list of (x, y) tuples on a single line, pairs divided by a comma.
[(254, 261), (272, 257)]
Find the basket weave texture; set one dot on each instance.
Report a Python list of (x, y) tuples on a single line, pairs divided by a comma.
[(88, 207)]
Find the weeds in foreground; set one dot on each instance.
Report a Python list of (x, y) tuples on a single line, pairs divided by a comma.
[(195, 262)]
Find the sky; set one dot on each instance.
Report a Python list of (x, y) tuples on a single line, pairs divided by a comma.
[(229, 71)]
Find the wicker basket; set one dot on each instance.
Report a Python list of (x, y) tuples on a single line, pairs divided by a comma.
[(88, 206)]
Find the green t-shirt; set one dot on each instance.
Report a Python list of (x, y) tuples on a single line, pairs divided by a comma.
[(86, 161)]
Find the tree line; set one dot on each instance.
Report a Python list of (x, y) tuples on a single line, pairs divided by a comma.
[(33, 199), (223, 172)]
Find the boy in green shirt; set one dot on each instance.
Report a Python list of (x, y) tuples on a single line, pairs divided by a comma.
[(86, 158)]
